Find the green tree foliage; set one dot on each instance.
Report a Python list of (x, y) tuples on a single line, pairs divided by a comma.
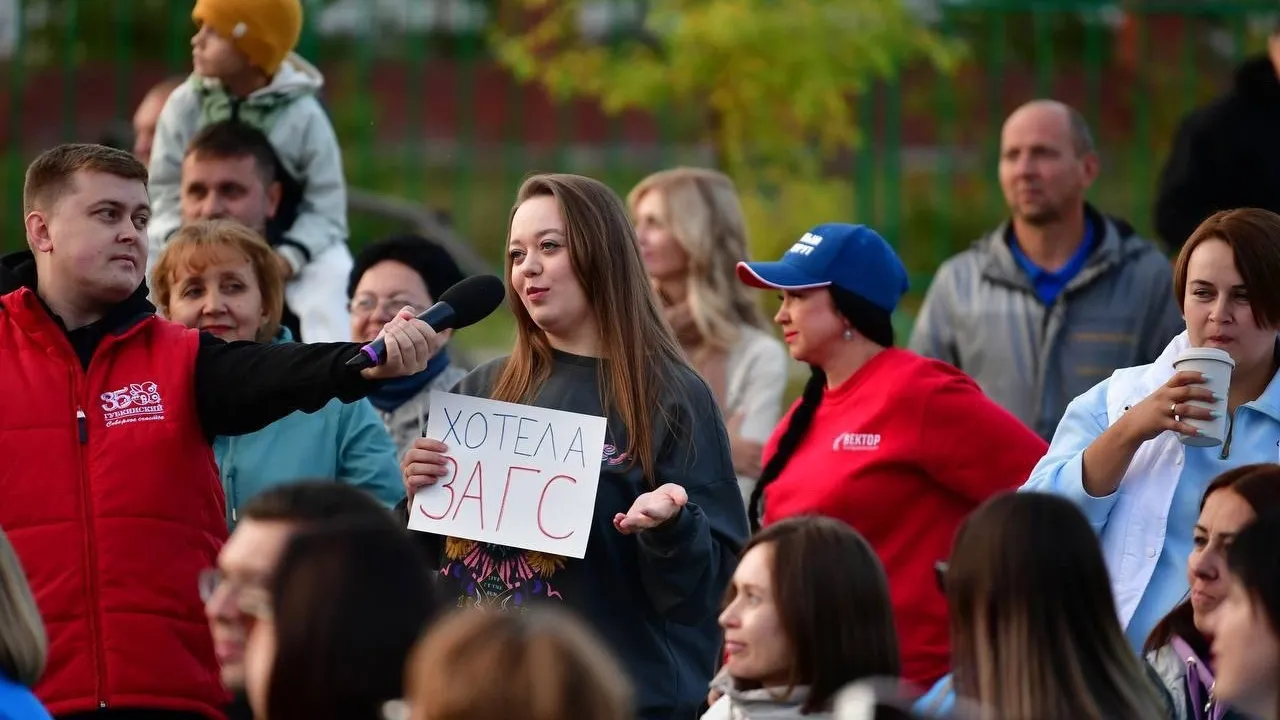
[(776, 82)]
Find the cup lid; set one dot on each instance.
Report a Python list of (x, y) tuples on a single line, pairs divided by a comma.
[(1217, 354)]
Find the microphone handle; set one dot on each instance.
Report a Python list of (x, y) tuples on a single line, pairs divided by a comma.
[(439, 316)]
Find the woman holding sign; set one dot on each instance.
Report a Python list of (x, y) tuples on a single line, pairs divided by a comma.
[(666, 523)]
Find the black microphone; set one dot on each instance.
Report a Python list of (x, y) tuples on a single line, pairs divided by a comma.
[(466, 303)]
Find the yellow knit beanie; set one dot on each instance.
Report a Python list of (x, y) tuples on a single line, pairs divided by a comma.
[(266, 31)]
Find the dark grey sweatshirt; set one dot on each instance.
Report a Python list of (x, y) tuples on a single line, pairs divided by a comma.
[(654, 597)]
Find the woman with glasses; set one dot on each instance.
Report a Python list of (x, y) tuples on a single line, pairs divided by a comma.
[(219, 276), (388, 275)]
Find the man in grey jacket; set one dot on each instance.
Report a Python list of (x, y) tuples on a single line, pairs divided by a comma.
[(1057, 297)]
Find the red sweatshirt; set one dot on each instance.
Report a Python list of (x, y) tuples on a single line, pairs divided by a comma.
[(903, 451)]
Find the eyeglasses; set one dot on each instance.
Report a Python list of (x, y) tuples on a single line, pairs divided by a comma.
[(940, 569), (250, 596), (255, 603), (367, 305)]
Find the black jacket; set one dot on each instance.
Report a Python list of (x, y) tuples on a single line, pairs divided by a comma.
[(241, 387), (1226, 155)]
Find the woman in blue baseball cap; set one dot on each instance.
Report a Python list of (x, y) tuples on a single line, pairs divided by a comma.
[(898, 446)]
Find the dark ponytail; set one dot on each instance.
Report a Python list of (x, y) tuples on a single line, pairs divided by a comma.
[(869, 320), (797, 426)]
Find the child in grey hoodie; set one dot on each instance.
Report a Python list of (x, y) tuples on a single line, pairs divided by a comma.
[(245, 69)]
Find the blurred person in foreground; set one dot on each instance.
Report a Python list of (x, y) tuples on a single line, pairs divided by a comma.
[(403, 271), (692, 233), (23, 644), (807, 613), (1058, 296), (106, 405), (1119, 454), (247, 563), (218, 276), (1178, 647), (1225, 155), (1034, 630), (543, 664), (1246, 627), (244, 70), (330, 639)]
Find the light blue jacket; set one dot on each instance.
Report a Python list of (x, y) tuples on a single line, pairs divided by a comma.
[(1145, 527), (347, 443)]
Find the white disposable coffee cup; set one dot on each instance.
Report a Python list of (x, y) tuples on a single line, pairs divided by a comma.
[(1216, 366)]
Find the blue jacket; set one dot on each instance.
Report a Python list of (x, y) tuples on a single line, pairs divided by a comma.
[(1145, 527), (19, 703), (347, 443)]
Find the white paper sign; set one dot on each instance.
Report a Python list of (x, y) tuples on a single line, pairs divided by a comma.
[(517, 475)]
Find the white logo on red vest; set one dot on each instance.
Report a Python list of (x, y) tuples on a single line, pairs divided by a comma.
[(137, 402), (856, 442)]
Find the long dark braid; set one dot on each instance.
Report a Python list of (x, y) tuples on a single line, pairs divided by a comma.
[(866, 318)]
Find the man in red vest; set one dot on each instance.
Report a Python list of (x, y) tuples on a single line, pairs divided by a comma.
[(108, 487)]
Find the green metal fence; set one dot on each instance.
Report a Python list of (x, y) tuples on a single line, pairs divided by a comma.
[(424, 113)]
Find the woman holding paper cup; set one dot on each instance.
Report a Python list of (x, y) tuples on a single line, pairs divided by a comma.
[(1137, 451), (668, 520)]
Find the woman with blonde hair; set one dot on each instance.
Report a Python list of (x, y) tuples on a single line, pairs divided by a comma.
[(221, 277), (1034, 628), (540, 665), (668, 519), (23, 646), (692, 234)]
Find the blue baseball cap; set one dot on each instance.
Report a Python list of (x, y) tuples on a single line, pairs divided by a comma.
[(851, 257)]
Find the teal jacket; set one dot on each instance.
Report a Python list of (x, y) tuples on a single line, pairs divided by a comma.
[(347, 443)]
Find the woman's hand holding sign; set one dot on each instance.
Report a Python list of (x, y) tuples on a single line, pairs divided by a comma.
[(424, 464), (652, 509)]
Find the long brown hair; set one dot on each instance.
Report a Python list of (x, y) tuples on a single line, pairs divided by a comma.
[(833, 605), (1034, 627), (1259, 486), (638, 351)]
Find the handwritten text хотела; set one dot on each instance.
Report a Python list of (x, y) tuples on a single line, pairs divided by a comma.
[(494, 438)]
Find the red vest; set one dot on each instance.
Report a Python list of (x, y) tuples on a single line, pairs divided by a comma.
[(110, 495)]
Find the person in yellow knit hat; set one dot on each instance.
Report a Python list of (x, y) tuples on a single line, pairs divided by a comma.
[(246, 70)]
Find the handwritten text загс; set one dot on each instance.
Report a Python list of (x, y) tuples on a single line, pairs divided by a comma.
[(517, 474)]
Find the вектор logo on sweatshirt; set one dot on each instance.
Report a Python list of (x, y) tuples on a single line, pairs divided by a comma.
[(856, 442), (136, 402)]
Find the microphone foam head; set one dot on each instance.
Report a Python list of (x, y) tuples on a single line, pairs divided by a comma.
[(474, 299)]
